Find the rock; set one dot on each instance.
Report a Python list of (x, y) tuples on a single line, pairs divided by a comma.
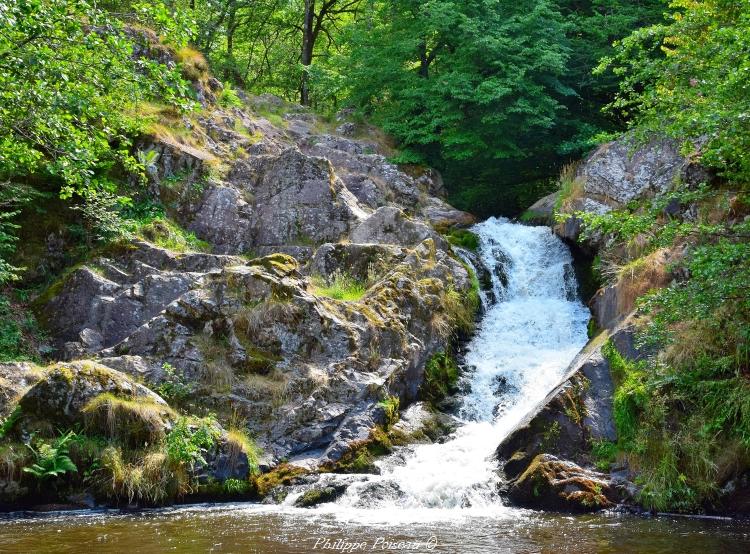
[(66, 388), (622, 171), (542, 210), (390, 225), (553, 484), (577, 412), (15, 379), (276, 200), (316, 496), (419, 423), (361, 261), (442, 215)]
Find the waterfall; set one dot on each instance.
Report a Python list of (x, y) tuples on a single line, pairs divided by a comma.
[(522, 346)]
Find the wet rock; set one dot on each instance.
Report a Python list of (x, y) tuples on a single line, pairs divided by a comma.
[(568, 419), (553, 484), (320, 495)]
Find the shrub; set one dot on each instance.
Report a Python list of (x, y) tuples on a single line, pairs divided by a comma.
[(390, 407), (189, 440)]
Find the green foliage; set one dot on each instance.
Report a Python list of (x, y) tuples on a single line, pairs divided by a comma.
[(64, 87), (463, 238), (173, 387), (51, 460), (440, 377), (236, 486), (605, 453), (188, 441), (390, 407), (465, 80), (340, 286), (688, 77), (8, 422), (18, 332), (229, 98)]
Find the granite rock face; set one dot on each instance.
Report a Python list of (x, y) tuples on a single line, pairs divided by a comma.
[(248, 328)]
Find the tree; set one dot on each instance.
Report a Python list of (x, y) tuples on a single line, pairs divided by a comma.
[(463, 80), (690, 78)]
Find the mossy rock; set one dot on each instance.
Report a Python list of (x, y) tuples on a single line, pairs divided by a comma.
[(553, 484), (65, 390), (281, 476), (281, 264), (319, 495)]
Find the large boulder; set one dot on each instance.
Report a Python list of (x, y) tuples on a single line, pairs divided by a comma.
[(276, 200), (66, 389), (566, 422), (622, 171), (390, 225)]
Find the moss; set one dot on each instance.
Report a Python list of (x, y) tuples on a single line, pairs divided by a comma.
[(282, 475), (361, 457), (167, 234), (316, 496), (463, 238), (282, 264)]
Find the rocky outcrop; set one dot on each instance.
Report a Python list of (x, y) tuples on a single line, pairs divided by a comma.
[(253, 335), (619, 172)]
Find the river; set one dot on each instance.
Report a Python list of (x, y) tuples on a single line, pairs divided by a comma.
[(437, 497)]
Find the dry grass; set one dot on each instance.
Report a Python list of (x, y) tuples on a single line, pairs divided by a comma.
[(217, 371), (149, 479), (252, 319), (239, 442), (136, 422), (642, 275), (571, 188), (272, 388), (192, 63), (13, 457)]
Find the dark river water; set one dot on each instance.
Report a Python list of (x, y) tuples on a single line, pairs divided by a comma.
[(255, 528)]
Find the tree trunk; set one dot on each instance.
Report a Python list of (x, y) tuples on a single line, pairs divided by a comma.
[(308, 44)]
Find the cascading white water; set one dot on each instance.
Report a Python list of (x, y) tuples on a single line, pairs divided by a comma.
[(522, 347)]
